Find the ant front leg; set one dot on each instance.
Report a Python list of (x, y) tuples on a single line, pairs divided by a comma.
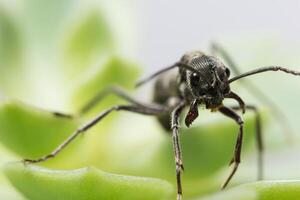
[(176, 146), (259, 138), (236, 97), (93, 122), (238, 147)]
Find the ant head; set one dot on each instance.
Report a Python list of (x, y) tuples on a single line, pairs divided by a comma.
[(211, 81)]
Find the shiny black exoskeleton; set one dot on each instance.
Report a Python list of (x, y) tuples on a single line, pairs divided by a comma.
[(209, 86)]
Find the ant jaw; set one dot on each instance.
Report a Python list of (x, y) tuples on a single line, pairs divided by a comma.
[(213, 103), (193, 113), (216, 108), (205, 98), (213, 107)]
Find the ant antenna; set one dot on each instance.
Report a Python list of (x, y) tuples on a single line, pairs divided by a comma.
[(264, 69)]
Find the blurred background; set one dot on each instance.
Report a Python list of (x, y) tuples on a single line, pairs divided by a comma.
[(56, 55), (164, 25)]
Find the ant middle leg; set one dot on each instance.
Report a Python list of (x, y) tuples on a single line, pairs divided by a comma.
[(93, 122)]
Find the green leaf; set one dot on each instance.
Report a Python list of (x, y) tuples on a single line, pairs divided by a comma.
[(284, 190), (89, 42), (263, 190), (31, 132), (115, 71), (88, 183)]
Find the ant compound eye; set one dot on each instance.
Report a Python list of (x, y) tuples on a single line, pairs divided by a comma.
[(227, 71), (223, 76), (195, 78)]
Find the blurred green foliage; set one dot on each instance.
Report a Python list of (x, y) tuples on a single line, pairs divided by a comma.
[(91, 39)]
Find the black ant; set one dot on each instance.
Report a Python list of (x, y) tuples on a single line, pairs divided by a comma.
[(202, 79)]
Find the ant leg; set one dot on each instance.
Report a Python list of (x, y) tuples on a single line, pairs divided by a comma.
[(176, 146), (101, 95), (257, 93), (233, 95), (107, 91), (91, 123), (62, 115), (237, 152), (259, 138), (258, 135)]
